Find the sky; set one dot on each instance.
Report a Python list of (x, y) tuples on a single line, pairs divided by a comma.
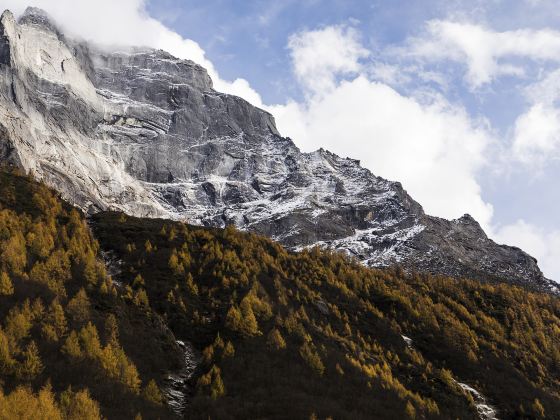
[(458, 100)]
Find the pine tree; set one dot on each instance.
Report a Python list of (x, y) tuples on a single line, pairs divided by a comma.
[(22, 404), (312, 358), (18, 324), (275, 340), (249, 325), (89, 339), (111, 330), (14, 254), (410, 410), (6, 360), (174, 264), (141, 298), (72, 346), (6, 286), (109, 359), (54, 325), (31, 365), (217, 387), (129, 374), (538, 409), (242, 320), (152, 393), (138, 281), (212, 383), (79, 405), (79, 307), (229, 350), (191, 286), (233, 319)]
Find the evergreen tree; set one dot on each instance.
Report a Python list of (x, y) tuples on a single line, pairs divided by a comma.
[(212, 383), (141, 299), (79, 406), (6, 360), (54, 325), (89, 340), (79, 307), (275, 340), (111, 330), (242, 320), (312, 359), (6, 286), (72, 345), (538, 409), (233, 319), (31, 365), (229, 350), (249, 325), (138, 281), (152, 393), (410, 410)]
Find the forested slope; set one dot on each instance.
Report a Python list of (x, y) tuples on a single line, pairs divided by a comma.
[(280, 334), (288, 335), (71, 346)]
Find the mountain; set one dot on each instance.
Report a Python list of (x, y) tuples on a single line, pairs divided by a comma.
[(119, 317), (140, 131)]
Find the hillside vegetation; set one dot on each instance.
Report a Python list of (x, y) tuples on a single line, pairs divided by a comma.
[(71, 346), (280, 335), (290, 335)]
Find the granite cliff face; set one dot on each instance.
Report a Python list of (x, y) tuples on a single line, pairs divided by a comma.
[(141, 131)]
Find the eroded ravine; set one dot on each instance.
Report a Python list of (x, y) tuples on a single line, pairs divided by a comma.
[(177, 389), (483, 409)]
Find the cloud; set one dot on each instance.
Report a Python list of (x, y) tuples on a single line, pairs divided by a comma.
[(537, 135), (487, 54), (320, 56), (433, 147), (543, 245), (124, 23)]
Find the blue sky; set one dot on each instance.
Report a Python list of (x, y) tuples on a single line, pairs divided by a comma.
[(458, 100)]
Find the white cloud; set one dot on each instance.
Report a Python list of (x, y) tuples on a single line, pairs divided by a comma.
[(124, 23), (543, 245), (433, 147), (546, 90), (322, 55), (537, 135), (487, 54)]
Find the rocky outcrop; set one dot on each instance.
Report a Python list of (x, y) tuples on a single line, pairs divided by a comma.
[(141, 131)]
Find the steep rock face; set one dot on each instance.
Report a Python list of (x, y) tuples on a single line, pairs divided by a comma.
[(141, 131)]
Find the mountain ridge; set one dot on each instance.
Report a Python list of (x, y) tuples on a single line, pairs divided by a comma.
[(141, 131)]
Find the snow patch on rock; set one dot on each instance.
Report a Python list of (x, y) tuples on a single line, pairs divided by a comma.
[(485, 411)]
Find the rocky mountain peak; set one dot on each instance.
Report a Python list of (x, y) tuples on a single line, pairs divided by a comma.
[(468, 222), (38, 17), (141, 131)]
